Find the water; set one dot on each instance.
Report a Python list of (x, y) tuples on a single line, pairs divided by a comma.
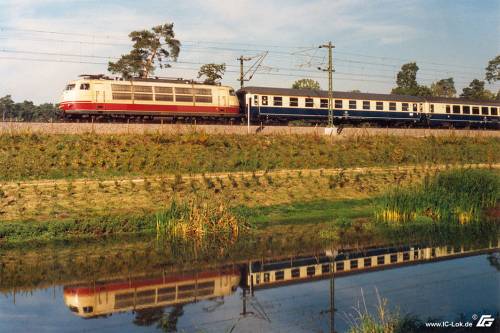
[(137, 287)]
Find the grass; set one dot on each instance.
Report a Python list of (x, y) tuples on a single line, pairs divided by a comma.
[(45, 156), (451, 196)]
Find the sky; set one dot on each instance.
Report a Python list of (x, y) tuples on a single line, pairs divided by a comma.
[(46, 43)]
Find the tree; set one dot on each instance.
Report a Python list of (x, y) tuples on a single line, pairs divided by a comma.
[(212, 72), (444, 88), (476, 91), (406, 81), (156, 45), (407, 76), (6, 106), (306, 84), (493, 70)]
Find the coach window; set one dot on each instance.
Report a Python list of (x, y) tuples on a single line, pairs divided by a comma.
[(294, 101), (475, 110), (277, 100), (484, 110), (392, 106), (354, 263), (366, 105), (279, 275), (415, 107), (338, 104), (309, 102), (432, 108), (447, 109), (323, 103), (404, 106), (494, 111), (466, 109), (295, 273), (380, 106), (352, 105), (85, 86), (264, 100), (456, 108), (255, 100)]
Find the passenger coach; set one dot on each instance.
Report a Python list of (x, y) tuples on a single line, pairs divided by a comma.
[(279, 104)]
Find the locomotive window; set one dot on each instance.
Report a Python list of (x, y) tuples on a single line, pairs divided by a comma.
[(415, 107), (466, 109), (475, 110), (146, 89), (203, 99), (277, 101), (164, 90), (338, 104), (352, 105), (231, 92), (404, 106), (143, 97), (165, 98), (494, 111), (294, 101), (88, 309), (484, 110), (323, 103), (432, 108), (392, 106), (183, 91), (456, 108), (202, 91), (122, 96), (85, 86), (380, 105), (447, 108), (121, 87), (264, 100), (366, 105), (70, 87), (183, 98), (309, 102), (266, 277), (255, 100)]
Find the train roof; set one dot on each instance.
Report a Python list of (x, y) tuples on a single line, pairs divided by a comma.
[(360, 95), (324, 93), (138, 79)]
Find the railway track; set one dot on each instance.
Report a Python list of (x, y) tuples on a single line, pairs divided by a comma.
[(141, 128)]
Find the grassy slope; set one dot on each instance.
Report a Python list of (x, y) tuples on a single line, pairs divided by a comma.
[(35, 156)]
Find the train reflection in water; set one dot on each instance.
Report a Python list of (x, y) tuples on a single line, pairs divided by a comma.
[(138, 293)]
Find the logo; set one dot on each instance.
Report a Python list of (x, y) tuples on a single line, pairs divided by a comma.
[(485, 321)]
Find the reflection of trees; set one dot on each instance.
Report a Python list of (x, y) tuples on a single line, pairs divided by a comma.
[(494, 260), (147, 317), (167, 322)]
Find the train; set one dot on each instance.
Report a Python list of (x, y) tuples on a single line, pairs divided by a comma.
[(121, 294), (99, 96)]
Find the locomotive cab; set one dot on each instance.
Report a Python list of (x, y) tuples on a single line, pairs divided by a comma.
[(78, 91)]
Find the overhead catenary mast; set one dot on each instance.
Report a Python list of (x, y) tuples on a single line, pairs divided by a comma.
[(330, 71)]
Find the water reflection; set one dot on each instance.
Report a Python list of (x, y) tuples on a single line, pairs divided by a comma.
[(240, 292)]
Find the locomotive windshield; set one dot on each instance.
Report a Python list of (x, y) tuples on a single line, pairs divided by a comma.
[(70, 87)]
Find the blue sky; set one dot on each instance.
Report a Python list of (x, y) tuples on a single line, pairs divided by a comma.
[(45, 43)]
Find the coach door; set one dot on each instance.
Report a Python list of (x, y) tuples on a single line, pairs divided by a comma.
[(223, 99), (100, 96)]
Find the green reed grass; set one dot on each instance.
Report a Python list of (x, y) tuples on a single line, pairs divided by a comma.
[(457, 195)]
